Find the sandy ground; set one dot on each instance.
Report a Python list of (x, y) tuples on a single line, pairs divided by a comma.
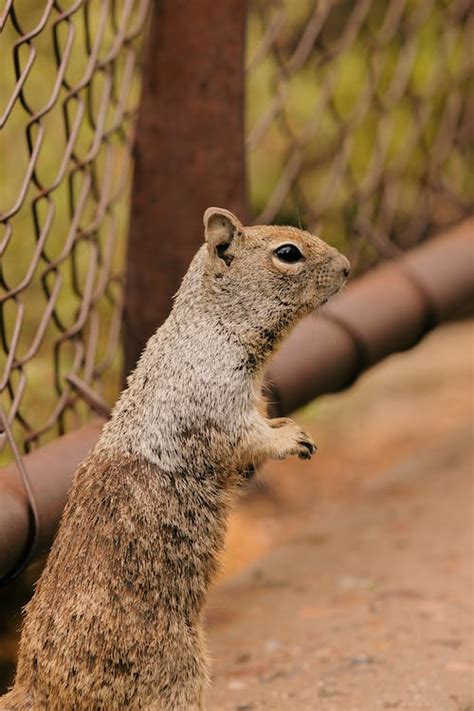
[(368, 604)]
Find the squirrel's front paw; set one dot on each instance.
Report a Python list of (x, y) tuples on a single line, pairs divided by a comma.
[(291, 439), (306, 446)]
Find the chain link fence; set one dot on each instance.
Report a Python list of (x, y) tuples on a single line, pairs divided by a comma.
[(69, 94), (358, 123), (361, 119)]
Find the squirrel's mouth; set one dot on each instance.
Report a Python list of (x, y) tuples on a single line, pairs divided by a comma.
[(335, 290)]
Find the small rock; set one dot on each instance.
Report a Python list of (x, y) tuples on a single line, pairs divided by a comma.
[(362, 659), (325, 693), (243, 658), (352, 582)]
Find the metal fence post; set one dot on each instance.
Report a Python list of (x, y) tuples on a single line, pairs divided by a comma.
[(189, 150)]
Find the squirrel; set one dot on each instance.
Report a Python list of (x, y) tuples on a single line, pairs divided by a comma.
[(115, 620)]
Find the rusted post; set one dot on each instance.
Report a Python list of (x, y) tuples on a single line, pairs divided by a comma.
[(189, 150)]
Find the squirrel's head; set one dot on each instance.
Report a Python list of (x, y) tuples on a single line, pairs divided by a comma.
[(265, 278)]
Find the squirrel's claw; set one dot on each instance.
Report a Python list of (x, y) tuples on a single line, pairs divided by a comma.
[(308, 448)]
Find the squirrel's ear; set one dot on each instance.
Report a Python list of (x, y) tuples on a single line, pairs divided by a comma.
[(220, 228)]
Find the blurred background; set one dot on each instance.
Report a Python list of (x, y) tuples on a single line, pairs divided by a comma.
[(121, 121)]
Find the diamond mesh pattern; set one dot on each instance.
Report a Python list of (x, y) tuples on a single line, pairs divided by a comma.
[(70, 88), (361, 119)]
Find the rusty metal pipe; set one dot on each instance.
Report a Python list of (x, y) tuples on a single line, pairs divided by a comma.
[(387, 310), (50, 470)]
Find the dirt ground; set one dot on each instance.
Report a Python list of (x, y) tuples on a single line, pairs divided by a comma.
[(366, 603)]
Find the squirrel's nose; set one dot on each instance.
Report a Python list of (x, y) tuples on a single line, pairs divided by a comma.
[(342, 264)]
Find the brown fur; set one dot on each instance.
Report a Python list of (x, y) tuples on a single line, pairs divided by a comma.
[(137, 521), (115, 619)]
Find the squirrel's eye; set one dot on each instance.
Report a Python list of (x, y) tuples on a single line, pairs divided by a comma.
[(288, 253)]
